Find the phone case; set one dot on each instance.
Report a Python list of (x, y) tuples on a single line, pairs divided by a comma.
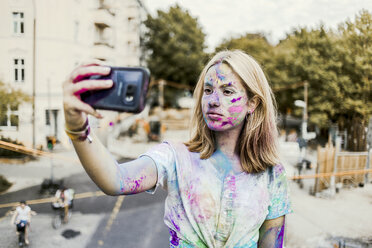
[(128, 93)]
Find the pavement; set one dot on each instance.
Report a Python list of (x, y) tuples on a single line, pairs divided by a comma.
[(316, 222)]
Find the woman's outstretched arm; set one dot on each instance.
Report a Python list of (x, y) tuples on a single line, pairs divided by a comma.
[(272, 233), (113, 179)]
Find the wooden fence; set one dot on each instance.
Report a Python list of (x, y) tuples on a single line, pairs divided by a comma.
[(332, 160)]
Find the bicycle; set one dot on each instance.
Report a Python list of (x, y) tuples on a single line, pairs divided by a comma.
[(59, 218), (21, 229)]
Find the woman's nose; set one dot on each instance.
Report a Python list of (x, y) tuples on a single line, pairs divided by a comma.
[(214, 101)]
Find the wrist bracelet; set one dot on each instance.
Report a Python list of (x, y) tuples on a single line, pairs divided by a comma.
[(80, 135)]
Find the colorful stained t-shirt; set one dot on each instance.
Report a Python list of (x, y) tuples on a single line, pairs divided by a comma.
[(207, 207)]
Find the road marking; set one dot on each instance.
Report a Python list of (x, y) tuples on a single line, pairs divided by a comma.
[(110, 221), (51, 199)]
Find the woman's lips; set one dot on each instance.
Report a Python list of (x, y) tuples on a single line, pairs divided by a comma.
[(214, 116)]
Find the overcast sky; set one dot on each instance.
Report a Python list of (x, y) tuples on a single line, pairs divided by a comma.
[(224, 18)]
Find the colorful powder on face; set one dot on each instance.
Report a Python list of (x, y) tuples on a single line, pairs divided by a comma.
[(235, 100), (235, 109), (227, 122), (220, 75)]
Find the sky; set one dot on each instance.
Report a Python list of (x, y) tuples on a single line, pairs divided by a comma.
[(225, 18)]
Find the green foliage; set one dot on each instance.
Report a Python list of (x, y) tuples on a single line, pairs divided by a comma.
[(175, 44), (255, 45), (10, 97), (356, 59)]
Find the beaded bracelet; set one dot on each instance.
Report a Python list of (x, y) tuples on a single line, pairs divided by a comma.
[(80, 135)]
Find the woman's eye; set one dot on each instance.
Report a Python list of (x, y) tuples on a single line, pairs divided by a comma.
[(207, 91), (228, 92)]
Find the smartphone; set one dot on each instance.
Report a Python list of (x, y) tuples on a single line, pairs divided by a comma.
[(128, 93)]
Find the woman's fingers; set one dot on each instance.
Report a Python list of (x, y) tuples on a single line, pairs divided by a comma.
[(77, 105), (86, 85), (85, 71)]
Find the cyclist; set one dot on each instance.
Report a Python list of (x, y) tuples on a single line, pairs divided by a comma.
[(63, 199), (22, 218)]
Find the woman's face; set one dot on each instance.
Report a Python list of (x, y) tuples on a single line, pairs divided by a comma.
[(224, 101)]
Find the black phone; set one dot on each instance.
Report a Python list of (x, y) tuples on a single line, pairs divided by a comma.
[(128, 93)]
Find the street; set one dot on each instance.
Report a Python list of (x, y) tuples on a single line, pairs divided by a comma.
[(139, 221)]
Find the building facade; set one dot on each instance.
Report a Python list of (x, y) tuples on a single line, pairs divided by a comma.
[(41, 41)]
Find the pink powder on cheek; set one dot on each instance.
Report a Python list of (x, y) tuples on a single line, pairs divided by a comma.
[(235, 109)]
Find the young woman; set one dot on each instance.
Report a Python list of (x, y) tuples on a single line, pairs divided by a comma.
[(225, 186)]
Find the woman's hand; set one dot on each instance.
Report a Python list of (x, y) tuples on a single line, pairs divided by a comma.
[(76, 111)]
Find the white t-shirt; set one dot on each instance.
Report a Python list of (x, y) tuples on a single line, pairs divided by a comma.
[(207, 207), (23, 213), (67, 194)]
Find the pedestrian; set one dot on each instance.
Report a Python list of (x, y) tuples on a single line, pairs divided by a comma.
[(22, 218), (226, 187), (63, 199)]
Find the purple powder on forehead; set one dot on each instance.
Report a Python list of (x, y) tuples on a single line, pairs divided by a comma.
[(220, 76), (235, 100), (175, 240)]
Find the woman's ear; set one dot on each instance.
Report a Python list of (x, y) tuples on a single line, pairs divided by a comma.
[(253, 103)]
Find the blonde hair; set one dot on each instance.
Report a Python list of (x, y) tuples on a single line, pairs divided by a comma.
[(258, 139)]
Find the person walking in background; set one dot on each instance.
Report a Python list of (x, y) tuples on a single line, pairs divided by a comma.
[(226, 187), (63, 199), (22, 218)]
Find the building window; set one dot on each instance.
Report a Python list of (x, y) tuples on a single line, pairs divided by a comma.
[(19, 70), (47, 117), (9, 117), (18, 23)]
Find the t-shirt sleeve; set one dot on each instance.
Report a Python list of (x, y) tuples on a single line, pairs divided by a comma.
[(280, 203), (164, 159)]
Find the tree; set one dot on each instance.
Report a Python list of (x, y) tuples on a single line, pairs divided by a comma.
[(255, 44), (10, 98), (175, 44), (337, 66), (356, 44)]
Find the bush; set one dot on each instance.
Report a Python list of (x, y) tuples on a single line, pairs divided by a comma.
[(4, 184)]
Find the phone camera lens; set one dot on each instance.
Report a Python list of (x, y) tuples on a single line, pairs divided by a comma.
[(129, 96)]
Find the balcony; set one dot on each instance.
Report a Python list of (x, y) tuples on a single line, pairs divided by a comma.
[(103, 18), (102, 50)]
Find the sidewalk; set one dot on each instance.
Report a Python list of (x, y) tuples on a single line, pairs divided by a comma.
[(34, 172)]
